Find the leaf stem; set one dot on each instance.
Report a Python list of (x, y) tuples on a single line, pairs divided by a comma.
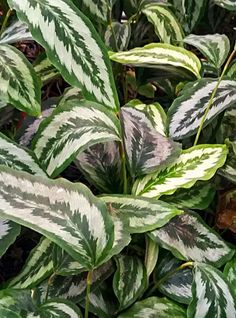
[(89, 283), (212, 96), (4, 24)]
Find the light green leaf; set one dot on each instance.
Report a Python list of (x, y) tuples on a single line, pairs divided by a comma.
[(215, 47), (8, 234), (154, 307), (62, 211), (212, 296), (15, 32), (159, 55), (19, 83), (186, 113), (151, 255), (72, 46), (189, 238), (140, 214), (166, 26), (44, 69), (230, 272), (197, 163), (226, 4), (231, 72), (72, 128), (117, 36), (7, 313), (130, 280)]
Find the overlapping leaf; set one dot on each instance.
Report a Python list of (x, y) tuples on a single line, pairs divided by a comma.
[(19, 83), (189, 238), (212, 295), (231, 72), (8, 233), (117, 36), (160, 55), (230, 271), (72, 128), (17, 31), (151, 255), (227, 4), (196, 163), (98, 9), (45, 70), (72, 45)]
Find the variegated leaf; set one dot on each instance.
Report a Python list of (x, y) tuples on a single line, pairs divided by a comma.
[(146, 149), (160, 55), (17, 300), (72, 45), (17, 31), (69, 94), (228, 171), (19, 83), (212, 295), (130, 280), (166, 25), (189, 238), (196, 163), (44, 69), (215, 47), (231, 72), (7, 313), (154, 307), (226, 4), (230, 272), (151, 255), (98, 9), (38, 267), (8, 234), (16, 157), (72, 128), (140, 214), (122, 237), (62, 211), (2, 104), (186, 113), (117, 36)]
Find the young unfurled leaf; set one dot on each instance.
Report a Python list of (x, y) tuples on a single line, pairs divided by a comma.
[(145, 148), (72, 128), (166, 26), (130, 280), (8, 234), (227, 4), (215, 47), (189, 238), (186, 113), (72, 45), (16, 32), (196, 163), (117, 36), (159, 55), (19, 83), (212, 295)]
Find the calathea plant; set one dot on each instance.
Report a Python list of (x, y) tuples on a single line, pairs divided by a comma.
[(140, 231)]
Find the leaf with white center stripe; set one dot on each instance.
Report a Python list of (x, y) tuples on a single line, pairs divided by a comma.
[(140, 214), (230, 272), (212, 295), (159, 55), (8, 234), (145, 148), (60, 210), (19, 83), (215, 47), (226, 4), (166, 25), (72, 128), (186, 113), (69, 94), (14, 156), (44, 69), (196, 163), (38, 267), (189, 238), (117, 36), (153, 307), (72, 45), (130, 280), (122, 237), (98, 9), (16, 32), (228, 171)]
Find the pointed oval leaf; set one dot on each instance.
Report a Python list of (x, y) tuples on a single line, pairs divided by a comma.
[(230, 272), (157, 55), (44, 69), (66, 213), (8, 234), (72, 45), (140, 214), (186, 113), (71, 129), (215, 47), (19, 83), (151, 255), (117, 36), (212, 295), (130, 280), (196, 163), (189, 238), (226, 4), (16, 32)]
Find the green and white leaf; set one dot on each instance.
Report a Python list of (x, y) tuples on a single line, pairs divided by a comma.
[(15, 32), (151, 255), (230, 271), (154, 307), (8, 313), (98, 9), (197, 163), (72, 128), (38, 267), (159, 55), (140, 214), (189, 238), (66, 213), (8, 234), (130, 280), (226, 4), (146, 149), (165, 23), (19, 83), (212, 295), (186, 113), (69, 94), (44, 69), (231, 72), (215, 47), (72, 46), (117, 36)]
